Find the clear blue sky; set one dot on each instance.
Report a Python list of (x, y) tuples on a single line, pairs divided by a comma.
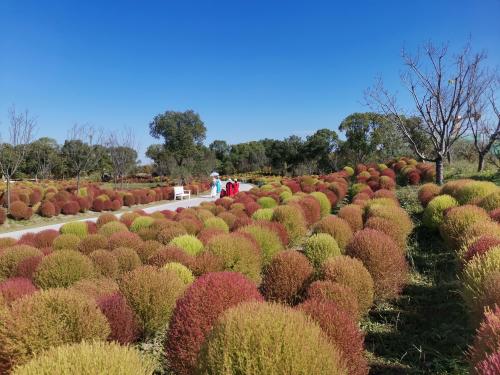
[(252, 69)]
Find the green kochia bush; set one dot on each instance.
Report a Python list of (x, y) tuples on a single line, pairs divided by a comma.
[(78, 228), (293, 220), (216, 223), (324, 203), (66, 241), (263, 214), (474, 191), (254, 336), (189, 243), (434, 212), (319, 247), (46, 319), (152, 294), (11, 257), (180, 270), (141, 222), (90, 358), (62, 269), (268, 240), (267, 202), (336, 227)]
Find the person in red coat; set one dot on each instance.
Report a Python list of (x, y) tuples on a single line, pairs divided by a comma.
[(236, 186), (229, 188)]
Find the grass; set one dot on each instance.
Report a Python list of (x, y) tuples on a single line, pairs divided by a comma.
[(466, 169), (426, 331)]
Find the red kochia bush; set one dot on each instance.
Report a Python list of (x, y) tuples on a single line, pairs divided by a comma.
[(121, 318), (487, 339), (45, 237), (27, 267), (342, 295), (20, 210), (383, 258), (70, 208), (342, 330), (197, 311), (480, 246), (3, 216), (169, 254), (353, 214), (16, 287), (286, 277), (489, 366)]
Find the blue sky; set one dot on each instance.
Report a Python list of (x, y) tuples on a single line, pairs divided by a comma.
[(252, 69)]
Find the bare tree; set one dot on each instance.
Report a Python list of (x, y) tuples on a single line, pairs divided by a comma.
[(13, 152), (442, 91), (79, 150), (485, 125), (121, 148)]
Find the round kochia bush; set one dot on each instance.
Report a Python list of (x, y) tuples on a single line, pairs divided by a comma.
[(49, 318), (216, 223), (267, 202), (10, 258), (198, 310), (434, 211), (341, 295), (324, 203), (384, 260), (152, 294), (255, 335), (105, 263), (336, 227), (92, 358), (476, 272), (491, 201), (268, 240), (66, 241), (458, 220), (487, 339), (141, 222), (286, 277), (293, 220), (342, 331), (319, 247), (237, 253), (127, 259), (180, 270), (475, 191), (62, 269), (353, 214), (489, 366), (15, 288), (112, 227), (352, 273), (78, 228), (263, 214), (189, 243)]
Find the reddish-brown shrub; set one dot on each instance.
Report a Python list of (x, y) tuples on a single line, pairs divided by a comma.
[(206, 262), (105, 263), (147, 249), (342, 330), (196, 312), (480, 246), (16, 287), (169, 254), (105, 218), (45, 238), (27, 239), (20, 210), (70, 208), (97, 205), (128, 259), (192, 225), (337, 227), (167, 234), (311, 209), (206, 234), (124, 239), (487, 339), (353, 214), (286, 277), (116, 204), (489, 366), (341, 295), (128, 200), (427, 192), (121, 318), (91, 243), (383, 259), (495, 215), (27, 267), (383, 225), (3, 215)]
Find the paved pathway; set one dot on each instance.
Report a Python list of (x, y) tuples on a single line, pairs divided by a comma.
[(165, 206)]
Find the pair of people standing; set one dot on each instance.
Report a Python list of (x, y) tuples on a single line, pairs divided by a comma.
[(216, 187)]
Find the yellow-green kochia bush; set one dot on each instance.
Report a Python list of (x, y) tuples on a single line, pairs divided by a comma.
[(11, 257), (293, 220), (254, 336), (46, 319), (474, 191), (180, 270), (189, 243), (476, 272), (263, 214), (324, 202), (78, 228), (90, 358), (269, 242), (319, 247), (434, 212), (267, 202), (216, 223)]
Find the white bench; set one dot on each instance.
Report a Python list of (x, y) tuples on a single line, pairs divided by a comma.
[(179, 192)]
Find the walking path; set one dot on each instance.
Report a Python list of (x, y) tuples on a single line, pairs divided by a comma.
[(165, 206)]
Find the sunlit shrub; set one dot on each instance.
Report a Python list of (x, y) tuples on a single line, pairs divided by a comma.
[(489, 366), (487, 339), (189, 243), (266, 202), (434, 211), (384, 260), (70, 208), (152, 294), (319, 247), (105, 263), (457, 220), (385, 226), (352, 273), (121, 318), (127, 258), (395, 214), (105, 218), (112, 227), (491, 201), (45, 238), (286, 277), (12, 256), (148, 248), (238, 254), (46, 319), (475, 191), (337, 227), (62, 269), (89, 358), (180, 270), (124, 239), (263, 214), (78, 228), (141, 222), (255, 335), (47, 209), (342, 331), (96, 288), (293, 221), (489, 297), (20, 210), (353, 215), (323, 201), (169, 233), (269, 242), (196, 312), (216, 223), (340, 294)]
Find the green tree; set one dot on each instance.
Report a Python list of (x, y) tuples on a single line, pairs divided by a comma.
[(160, 158), (183, 133), (319, 148), (43, 159)]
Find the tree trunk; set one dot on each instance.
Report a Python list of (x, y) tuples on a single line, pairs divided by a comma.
[(8, 194), (448, 157), (77, 183), (439, 170), (480, 164)]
